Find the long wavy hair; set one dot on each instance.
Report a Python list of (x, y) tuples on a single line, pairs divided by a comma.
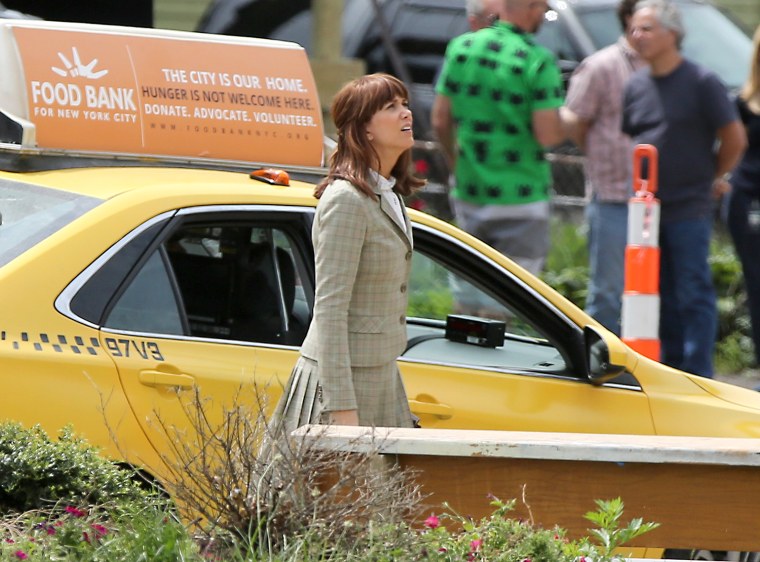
[(751, 91), (352, 109)]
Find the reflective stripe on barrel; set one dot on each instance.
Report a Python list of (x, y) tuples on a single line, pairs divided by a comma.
[(640, 314)]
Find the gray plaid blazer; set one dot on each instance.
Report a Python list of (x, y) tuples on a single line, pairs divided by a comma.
[(363, 260)]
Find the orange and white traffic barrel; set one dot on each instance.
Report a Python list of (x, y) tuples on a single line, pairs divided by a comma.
[(640, 317)]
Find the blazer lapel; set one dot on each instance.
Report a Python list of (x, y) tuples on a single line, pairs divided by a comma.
[(406, 226)]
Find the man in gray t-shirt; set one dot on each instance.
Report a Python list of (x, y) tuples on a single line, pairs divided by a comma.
[(683, 110)]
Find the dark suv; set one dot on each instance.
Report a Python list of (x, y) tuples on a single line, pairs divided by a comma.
[(6, 13), (408, 38)]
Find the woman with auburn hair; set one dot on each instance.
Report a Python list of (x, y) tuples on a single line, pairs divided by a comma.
[(743, 204), (347, 372)]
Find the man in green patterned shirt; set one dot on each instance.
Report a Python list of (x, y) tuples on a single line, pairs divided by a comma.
[(495, 112)]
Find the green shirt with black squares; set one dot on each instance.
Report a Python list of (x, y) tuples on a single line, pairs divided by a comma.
[(495, 78)]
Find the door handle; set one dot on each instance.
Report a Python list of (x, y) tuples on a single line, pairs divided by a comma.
[(160, 378), (442, 411)]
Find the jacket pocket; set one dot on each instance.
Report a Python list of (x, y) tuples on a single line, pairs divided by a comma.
[(367, 324)]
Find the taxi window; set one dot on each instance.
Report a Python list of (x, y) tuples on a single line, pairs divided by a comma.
[(148, 304), (437, 290), (448, 278), (30, 213), (217, 280)]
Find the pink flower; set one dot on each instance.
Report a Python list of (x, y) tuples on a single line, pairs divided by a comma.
[(432, 522), (10, 541), (100, 530), (85, 536), (50, 530), (21, 555), (476, 544), (74, 511)]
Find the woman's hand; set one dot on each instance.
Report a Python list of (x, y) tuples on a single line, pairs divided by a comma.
[(344, 417)]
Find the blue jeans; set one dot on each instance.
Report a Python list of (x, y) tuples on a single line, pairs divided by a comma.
[(607, 232), (688, 312)]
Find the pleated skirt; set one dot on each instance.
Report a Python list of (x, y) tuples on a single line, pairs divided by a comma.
[(380, 397)]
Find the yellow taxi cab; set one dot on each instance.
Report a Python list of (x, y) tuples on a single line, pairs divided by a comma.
[(148, 248)]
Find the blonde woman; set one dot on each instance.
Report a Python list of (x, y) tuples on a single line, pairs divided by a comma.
[(743, 205)]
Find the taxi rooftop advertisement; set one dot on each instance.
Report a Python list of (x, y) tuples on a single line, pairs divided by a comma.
[(151, 92)]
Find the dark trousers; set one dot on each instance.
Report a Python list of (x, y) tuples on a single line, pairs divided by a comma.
[(746, 239), (688, 310)]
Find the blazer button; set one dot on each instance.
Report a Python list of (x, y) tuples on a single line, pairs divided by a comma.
[(408, 256), (403, 288), (402, 319)]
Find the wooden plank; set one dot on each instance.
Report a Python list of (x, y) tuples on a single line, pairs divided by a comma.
[(704, 492), (538, 445), (701, 506)]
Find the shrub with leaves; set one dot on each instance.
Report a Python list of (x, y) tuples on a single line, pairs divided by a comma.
[(566, 267), (499, 538), (734, 351), (128, 532), (37, 471), (609, 533), (496, 537)]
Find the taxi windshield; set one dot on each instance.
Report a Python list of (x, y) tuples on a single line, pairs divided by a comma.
[(30, 213)]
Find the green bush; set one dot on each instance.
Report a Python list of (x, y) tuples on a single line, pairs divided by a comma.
[(734, 351), (130, 532), (500, 538), (495, 537), (36, 471), (566, 267)]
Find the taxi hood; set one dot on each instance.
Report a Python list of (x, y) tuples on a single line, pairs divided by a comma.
[(730, 393)]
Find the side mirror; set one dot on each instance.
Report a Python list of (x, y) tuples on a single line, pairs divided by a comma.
[(606, 357)]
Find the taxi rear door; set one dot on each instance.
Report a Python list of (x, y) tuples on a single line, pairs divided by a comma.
[(210, 314)]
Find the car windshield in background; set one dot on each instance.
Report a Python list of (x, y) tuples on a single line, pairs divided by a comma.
[(727, 53), (31, 213)]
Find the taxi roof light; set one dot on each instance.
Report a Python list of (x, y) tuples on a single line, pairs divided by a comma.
[(272, 176)]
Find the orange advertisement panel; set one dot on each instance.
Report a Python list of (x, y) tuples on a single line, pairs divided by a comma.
[(176, 96)]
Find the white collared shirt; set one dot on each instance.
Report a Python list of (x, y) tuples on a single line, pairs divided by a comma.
[(387, 193)]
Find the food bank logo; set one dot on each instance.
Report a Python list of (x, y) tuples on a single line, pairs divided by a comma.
[(65, 98), (77, 68)]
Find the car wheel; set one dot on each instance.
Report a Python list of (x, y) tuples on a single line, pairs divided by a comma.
[(727, 556)]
